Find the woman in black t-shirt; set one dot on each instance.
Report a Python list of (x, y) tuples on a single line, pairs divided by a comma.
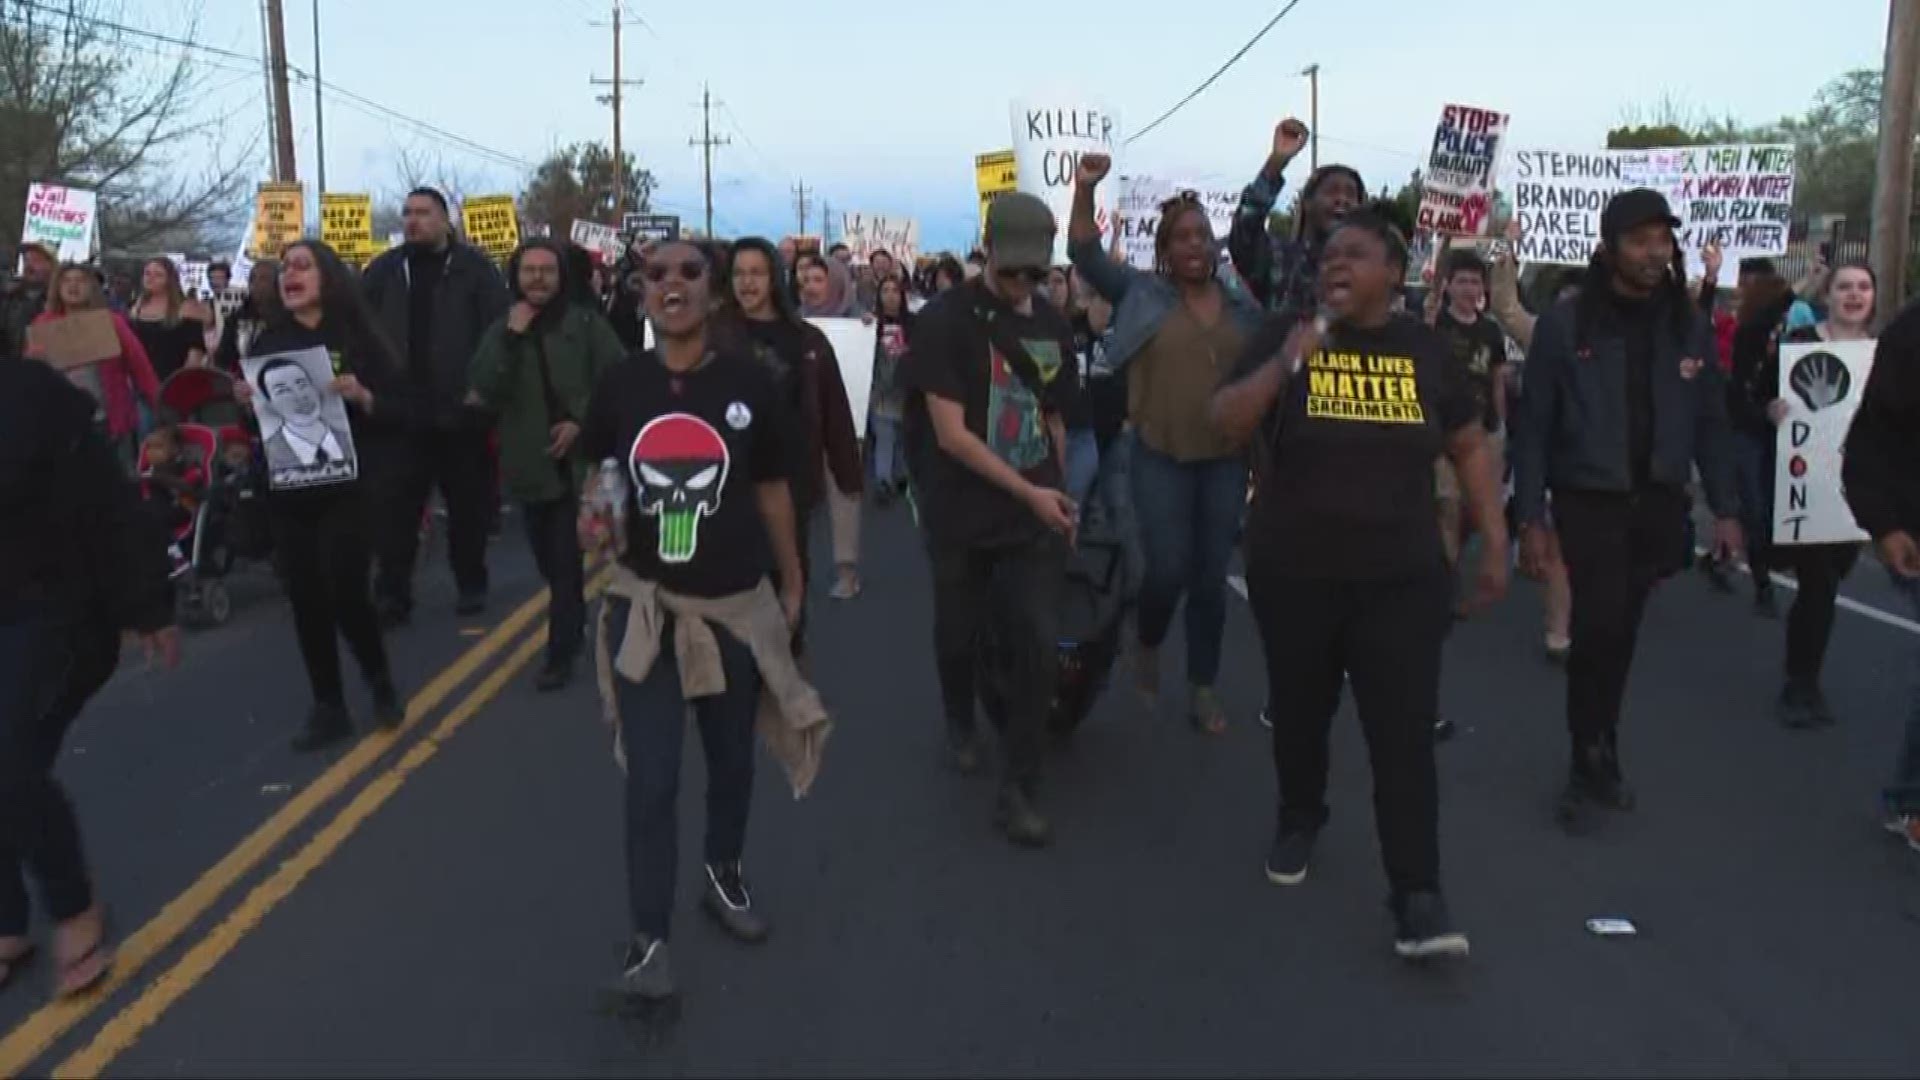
[(702, 445), (170, 326), (1345, 569)]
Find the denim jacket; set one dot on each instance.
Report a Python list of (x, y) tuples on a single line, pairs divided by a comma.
[(1141, 302)]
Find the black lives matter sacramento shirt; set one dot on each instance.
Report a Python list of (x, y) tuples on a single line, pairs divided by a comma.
[(692, 447), (1350, 493)]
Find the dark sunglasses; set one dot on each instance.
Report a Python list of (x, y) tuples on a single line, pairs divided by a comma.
[(688, 270), (1032, 275)]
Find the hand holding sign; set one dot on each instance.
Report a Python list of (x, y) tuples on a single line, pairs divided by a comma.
[(1289, 138), (1093, 169), (1711, 259), (349, 389)]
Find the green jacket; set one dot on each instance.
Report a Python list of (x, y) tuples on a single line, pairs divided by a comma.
[(580, 347)]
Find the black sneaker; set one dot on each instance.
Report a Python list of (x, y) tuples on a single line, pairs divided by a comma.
[(963, 751), (1014, 815), (731, 905), (555, 674), (1266, 717), (1795, 707), (645, 979), (470, 604), (392, 613), (1443, 730), (327, 725), (1823, 714), (1292, 851), (1422, 929), (1763, 603), (389, 709), (1611, 789)]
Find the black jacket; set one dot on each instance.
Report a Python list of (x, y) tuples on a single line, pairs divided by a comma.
[(1573, 434), (1881, 464), (471, 295), (19, 303), (76, 540)]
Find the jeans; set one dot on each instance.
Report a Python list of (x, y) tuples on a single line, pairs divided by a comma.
[(1754, 455), (322, 541), (1083, 464), (1903, 793), (49, 667), (552, 533), (653, 723), (1189, 519), (889, 451), (458, 463)]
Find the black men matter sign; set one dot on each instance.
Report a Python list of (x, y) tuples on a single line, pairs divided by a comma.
[(1456, 192), (1050, 135)]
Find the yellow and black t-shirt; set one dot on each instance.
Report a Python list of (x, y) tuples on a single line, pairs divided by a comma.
[(1349, 493)]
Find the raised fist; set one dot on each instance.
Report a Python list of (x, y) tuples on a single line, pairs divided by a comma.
[(1093, 168), (1289, 138)]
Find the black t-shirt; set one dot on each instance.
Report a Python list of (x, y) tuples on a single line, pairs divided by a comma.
[(955, 358), (694, 446), (424, 271), (1637, 328), (1078, 413), (167, 346), (1480, 349), (1349, 494)]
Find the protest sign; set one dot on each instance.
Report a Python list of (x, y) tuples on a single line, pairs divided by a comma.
[(75, 340), (303, 422), (867, 233), (1456, 191), (1822, 383), (853, 342), (346, 224), (193, 278), (491, 224), (649, 228), (993, 173), (1741, 196), (1137, 206), (1049, 136), (279, 218), (63, 219), (595, 237)]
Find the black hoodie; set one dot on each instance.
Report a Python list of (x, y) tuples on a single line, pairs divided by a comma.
[(1880, 468)]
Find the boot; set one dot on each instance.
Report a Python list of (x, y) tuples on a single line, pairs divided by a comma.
[(327, 725)]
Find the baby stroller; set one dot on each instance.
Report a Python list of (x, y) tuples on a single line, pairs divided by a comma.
[(1094, 602), (229, 522)]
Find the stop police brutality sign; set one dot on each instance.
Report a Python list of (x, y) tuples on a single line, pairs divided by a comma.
[(1049, 136)]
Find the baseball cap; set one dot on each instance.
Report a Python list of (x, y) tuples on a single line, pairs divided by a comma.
[(1019, 231), (1632, 209)]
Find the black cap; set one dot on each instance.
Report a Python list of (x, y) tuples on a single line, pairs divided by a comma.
[(1632, 209)]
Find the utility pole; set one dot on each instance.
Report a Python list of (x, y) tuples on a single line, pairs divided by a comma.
[(282, 106), (706, 142), (1893, 174), (319, 112), (802, 203), (1312, 72), (613, 97), (826, 226), (266, 73)]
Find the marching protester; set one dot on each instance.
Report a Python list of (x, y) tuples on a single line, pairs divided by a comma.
[(171, 326), (1176, 333), (219, 279), (245, 323), (826, 289), (1083, 445), (1621, 399), (826, 292), (1346, 569), (1279, 270), (884, 266), (322, 534), (989, 382), (807, 380), (536, 369), (1883, 491), (120, 385), (1479, 347), (947, 273), (893, 343), (697, 454), (1752, 385), (434, 296), (80, 562), (24, 299)]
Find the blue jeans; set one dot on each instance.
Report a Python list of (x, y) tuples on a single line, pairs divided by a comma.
[(1083, 464), (1754, 456), (1189, 519), (889, 464), (653, 723), (1903, 793)]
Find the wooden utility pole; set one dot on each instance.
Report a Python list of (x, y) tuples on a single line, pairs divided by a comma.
[(706, 142), (802, 203), (319, 111), (618, 86), (282, 105), (1312, 73), (266, 73), (1893, 174)]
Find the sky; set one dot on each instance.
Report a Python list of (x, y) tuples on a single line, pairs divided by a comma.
[(881, 107)]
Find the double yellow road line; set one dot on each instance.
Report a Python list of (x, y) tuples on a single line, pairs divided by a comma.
[(35, 1035)]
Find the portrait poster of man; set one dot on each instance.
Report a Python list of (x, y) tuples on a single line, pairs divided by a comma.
[(303, 423)]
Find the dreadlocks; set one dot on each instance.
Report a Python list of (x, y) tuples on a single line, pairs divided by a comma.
[(1596, 289)]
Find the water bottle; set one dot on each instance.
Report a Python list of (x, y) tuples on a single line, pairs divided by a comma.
[(609, 504)]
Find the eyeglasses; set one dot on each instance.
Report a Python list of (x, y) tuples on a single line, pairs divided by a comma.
[(1032, 275), (688, 270)]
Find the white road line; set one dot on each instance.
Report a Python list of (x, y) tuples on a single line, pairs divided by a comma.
[(1237, 584)]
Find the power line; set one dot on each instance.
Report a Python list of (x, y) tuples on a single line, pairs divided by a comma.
[(1213, 78)]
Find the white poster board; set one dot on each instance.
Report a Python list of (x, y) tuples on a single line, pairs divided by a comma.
[(1456, 191), (1049, 136), (62, 218), (853, 342), (867, 233), (594, 236), (303, 423), (1822, 384)]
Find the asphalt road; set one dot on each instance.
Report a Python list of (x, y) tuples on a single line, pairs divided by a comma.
[(449, 904)]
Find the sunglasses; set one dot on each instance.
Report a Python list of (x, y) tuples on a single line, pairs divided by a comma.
[(1032, 275), (689, 270)]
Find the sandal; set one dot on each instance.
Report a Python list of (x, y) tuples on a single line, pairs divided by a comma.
[(81, 973)]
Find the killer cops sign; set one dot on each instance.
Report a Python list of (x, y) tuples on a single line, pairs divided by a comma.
[(1050, 134)]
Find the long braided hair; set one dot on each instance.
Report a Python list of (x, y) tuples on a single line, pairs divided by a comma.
[(1171, 211)]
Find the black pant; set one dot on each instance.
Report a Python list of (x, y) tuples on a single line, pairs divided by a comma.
[(1818, 569), (49, 667), (407, 471), (1617, 547), (322, 540), (552, 533), (1385, 638), (1000, 607)]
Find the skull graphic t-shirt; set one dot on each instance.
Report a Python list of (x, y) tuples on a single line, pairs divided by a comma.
[(692, 446)]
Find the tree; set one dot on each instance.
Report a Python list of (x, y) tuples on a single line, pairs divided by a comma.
[(577, 184), (84, 106)]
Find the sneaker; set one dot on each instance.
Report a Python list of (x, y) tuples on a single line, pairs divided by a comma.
[(327, 725), (389, 710), (1823, 715), (645, 979), (1443, 730), (1422, 929), (470, 604), (1795, 708), (1266, 717), (1559, 647), (392, 613), (731, 905), (554, 675), (1014, 815), (963, 751), (1905, 826), (1292, 851), (1763, 603), (1594, 783)]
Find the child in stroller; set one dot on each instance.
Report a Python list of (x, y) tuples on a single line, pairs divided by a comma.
[(198, 405), (173, 484)]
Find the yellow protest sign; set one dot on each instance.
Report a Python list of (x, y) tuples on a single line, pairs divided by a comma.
[(279, 218), (491, 225), (993, 174), (346, 224)]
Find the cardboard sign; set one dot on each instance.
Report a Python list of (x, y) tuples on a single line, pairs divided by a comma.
[(63, 219), (994, 173), (1456, 193), (279, 218), (1049, 136), (604, 240), (492, 225), (867, 233), (346, 224), (1822, 384), (78, 339), (650, 228)]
